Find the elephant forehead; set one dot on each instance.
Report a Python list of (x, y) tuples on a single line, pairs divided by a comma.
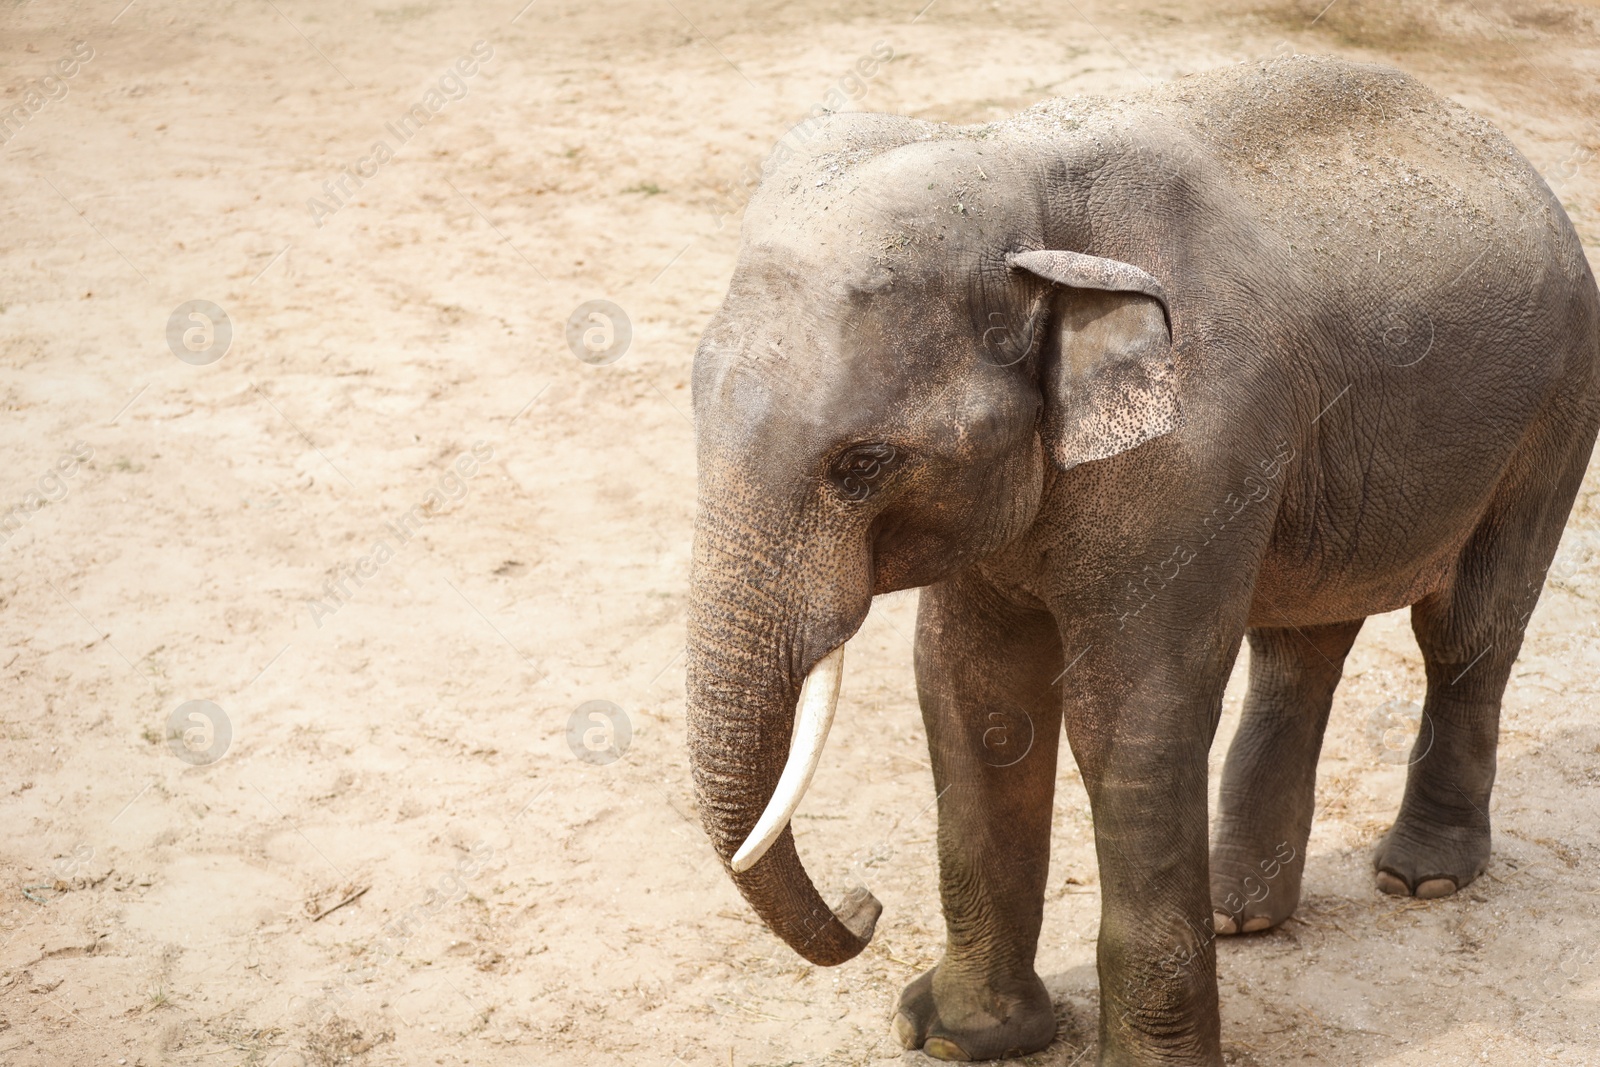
[(874, 251), (920, 204), (796, 408), (786, 304)]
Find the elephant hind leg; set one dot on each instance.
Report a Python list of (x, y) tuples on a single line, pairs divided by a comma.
[(1440, 840), (1269, 780), (1470, 633)]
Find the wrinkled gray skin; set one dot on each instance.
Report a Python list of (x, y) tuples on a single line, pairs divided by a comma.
[(1382, 362)]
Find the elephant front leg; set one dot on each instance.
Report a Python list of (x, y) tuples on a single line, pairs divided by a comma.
[(984, 674), (1141, 737)]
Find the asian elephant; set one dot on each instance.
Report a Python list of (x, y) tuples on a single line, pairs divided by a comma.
[(1254, 354)]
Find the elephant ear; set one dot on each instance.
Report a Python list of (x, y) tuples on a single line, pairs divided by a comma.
[(1107, 360)]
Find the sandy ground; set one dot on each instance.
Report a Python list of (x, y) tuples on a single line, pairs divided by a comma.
[(396, 719)]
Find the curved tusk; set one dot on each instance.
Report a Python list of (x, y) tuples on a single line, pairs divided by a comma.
[(818, 699)]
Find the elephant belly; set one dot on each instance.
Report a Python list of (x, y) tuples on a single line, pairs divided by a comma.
[(1375, 535), (1289, 593)]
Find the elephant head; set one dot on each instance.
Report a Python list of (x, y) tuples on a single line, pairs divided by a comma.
[(908, 342)]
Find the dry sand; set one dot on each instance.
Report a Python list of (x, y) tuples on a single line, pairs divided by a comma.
[(522, 906)]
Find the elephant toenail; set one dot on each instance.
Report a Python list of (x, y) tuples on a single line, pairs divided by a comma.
[(942, 1048), (905, 1031), (1434, 888), (1393, 884), (1256, 924), (1222, 923)]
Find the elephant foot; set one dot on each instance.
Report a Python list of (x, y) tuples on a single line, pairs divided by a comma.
[(1429, 860), (952, 1018), (1254, 887)]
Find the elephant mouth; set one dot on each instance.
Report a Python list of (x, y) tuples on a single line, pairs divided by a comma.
[(819, 699)]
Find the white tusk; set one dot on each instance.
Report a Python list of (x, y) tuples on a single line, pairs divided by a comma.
[(818, 699)]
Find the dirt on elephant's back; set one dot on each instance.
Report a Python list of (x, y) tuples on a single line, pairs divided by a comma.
[(1344, 157)]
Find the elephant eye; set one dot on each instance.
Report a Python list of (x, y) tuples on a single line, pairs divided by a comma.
[(856, 473)]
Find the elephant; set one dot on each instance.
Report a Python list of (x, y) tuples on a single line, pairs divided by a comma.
[(1119, 385)]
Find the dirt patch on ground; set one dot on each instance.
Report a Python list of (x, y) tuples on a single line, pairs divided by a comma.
[(398, 859)]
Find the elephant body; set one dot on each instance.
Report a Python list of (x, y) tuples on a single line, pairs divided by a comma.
[(1255, 354)]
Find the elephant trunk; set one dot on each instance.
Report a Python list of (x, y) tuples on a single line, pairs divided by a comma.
[(742, 696)]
